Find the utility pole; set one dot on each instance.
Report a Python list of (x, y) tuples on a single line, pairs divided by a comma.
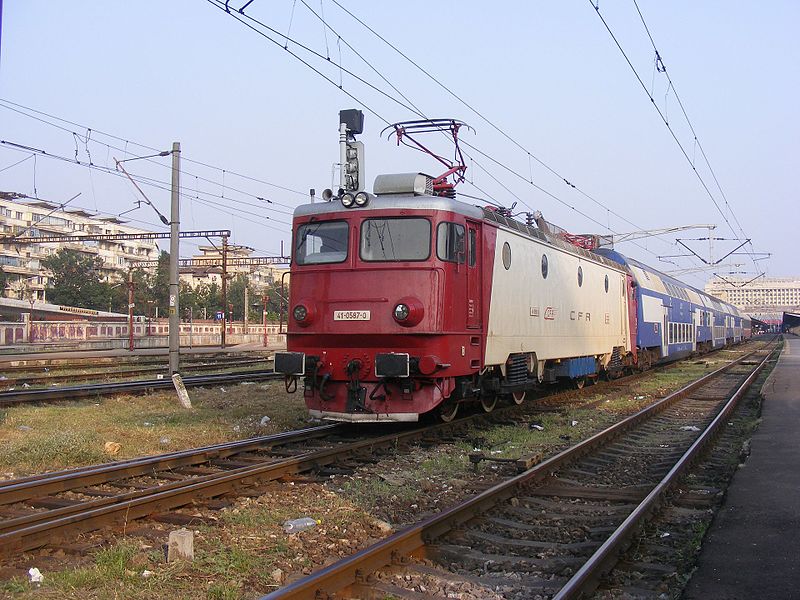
[(246, 306), (130, 309), (264, 317), (174, 253), (224, 286)]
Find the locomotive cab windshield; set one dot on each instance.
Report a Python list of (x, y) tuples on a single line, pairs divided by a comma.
[(321, 243)]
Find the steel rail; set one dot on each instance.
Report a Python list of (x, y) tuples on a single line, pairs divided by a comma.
[(18, 490), (414, 538), (39, 529), (105, 389), (101, 356), (44, 379), (22, 371), (585, 579)]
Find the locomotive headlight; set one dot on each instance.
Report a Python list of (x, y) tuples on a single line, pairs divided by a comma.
[(361, 199), (408, 311), (300, 313), (348, 200), (401, 312)]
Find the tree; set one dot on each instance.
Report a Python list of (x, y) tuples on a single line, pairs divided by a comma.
[(3, 281), (75, 280)]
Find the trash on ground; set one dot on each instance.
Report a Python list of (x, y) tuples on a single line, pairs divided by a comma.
[(223, 390), (690, 428), (264, 420), (26, 385), (164, 441), (112, 448), (160, 376), (147, 424), (24, 428), (573, 423), (35, 576), (146, 573), (566, 438), (638, 397), (664, 535), (297, 525), (536, 426)]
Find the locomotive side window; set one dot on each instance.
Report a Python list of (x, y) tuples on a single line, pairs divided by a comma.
[(321, 243), (580, 276), (473, 248), (606, 284), (385, 240), (544, 266), (450, 242)]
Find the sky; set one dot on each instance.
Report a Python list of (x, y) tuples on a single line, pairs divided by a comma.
[(548, 94)]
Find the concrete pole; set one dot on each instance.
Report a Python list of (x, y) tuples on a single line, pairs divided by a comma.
[(246, 308), (174, 255), (130, 309), (264, 318), (224, 286)]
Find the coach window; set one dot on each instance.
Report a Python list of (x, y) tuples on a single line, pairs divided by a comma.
[(385, 240), (450, 242), (606, 283), (580, 276), (321, 242), (544, 266)]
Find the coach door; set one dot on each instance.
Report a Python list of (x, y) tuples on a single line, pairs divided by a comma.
[(473, 275)]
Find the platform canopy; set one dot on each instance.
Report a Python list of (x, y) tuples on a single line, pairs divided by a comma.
[(791, 322)]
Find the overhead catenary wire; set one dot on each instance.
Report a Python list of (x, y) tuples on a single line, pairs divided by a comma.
[(20, 109), (218, 3), (165, 186), (663, 69), (568, 181), (596, 7)]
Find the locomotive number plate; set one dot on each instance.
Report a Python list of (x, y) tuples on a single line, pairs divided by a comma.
[(351, 315)]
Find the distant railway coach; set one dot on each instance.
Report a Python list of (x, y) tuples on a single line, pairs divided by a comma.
[(406, 301)]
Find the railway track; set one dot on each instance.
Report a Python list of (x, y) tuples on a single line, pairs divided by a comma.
[(37, 378), (43, 509), (9, 363), (554, 529), (57, 394)]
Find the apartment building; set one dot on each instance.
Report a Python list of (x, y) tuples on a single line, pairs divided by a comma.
[(20, 216)]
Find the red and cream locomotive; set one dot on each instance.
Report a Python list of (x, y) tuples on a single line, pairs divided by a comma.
[(406, 300)]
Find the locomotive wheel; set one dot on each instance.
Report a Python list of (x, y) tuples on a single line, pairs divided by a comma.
[(518, 397), (448, 410), (488, 402)]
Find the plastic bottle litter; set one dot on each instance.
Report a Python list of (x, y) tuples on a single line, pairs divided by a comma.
[(264, 420), (296, 525), (35, 576)]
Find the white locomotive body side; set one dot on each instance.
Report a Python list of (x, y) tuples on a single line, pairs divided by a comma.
[(553, 317)]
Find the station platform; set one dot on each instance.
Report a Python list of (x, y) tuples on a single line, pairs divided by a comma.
[(751, 550)]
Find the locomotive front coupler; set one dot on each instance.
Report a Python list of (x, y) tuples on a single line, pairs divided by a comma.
[(356, 393)]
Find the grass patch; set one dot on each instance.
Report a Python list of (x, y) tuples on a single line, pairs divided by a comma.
[(48, 437)]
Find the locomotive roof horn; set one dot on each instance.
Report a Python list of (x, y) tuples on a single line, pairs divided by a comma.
[(405, 133)]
